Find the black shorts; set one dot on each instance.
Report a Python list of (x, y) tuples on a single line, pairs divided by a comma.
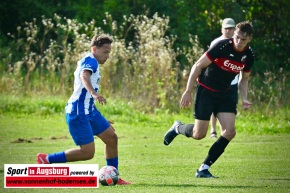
[(207, 102)]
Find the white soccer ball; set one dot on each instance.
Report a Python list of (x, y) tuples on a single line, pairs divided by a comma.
[(108, 176)]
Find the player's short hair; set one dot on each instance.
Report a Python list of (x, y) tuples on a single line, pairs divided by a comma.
[(246, 27), (101, 39)]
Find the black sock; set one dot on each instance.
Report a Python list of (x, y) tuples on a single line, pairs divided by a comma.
[(186, 129), (216, 150)]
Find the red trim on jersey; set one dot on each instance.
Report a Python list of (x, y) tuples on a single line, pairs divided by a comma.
[(208, 88), (209, 57)]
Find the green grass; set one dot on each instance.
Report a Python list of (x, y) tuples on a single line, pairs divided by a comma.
[(257, 160)]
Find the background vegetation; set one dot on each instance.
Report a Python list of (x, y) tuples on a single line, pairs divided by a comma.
[(154, 49), (156, 43)]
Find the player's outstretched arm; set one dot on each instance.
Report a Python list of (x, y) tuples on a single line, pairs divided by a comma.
[(243, 88), (196, 69)]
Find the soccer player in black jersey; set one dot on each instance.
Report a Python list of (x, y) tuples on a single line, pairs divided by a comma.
[(214, 71)]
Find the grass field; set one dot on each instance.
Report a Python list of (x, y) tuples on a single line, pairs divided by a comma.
[(251, 163)]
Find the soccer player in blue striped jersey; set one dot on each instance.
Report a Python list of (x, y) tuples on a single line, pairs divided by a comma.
[(83, 118)]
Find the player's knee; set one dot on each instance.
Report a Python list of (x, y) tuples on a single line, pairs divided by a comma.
[(233, 133), (198, 136), (199, 133), (89, 155), (88, 152), (115, 138), (230, 133), (112, 139)]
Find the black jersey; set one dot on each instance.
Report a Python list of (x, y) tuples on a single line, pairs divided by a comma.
[(227, 62)]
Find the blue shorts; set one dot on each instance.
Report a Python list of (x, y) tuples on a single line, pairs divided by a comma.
[(83, 127)]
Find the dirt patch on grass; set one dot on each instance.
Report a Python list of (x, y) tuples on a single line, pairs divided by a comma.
[(22, 140)]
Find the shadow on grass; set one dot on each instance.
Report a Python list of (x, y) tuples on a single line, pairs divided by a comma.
[(194, 185), (286, 179)]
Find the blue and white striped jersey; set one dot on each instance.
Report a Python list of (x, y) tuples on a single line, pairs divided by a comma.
[(81, 101)]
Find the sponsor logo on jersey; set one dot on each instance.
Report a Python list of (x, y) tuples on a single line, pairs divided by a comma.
[(229, 65), (232, 66)]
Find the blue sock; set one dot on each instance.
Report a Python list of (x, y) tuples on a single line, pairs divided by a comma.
[(57, 157), (113, 162)]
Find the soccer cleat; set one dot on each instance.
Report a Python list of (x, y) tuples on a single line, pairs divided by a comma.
[(41, 158), (171, 133), (204, 174), (123, 182)]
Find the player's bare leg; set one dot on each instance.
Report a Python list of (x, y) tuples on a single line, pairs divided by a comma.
[(110, 139), (200, 129), (213, 121), (196, 131), (227, 122), (85, 152)]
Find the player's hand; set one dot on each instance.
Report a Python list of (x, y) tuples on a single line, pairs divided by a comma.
[(111, 123), (100, 98), (185, 99), (246, 104)]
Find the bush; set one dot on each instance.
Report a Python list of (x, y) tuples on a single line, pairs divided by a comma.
[(144, 70)]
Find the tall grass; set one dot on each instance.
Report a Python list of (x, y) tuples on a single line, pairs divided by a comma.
[(270, 90), (144, 70), (253, 121)]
